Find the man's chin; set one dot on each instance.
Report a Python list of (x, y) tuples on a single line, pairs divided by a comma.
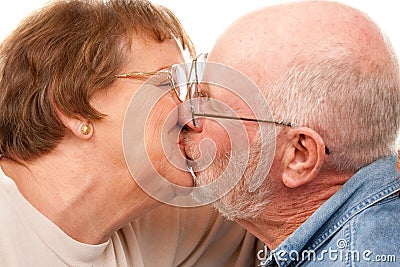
[(208, 190), (233, 200), (205, 195)]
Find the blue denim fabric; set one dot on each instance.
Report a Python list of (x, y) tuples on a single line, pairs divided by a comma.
[(357, 226)]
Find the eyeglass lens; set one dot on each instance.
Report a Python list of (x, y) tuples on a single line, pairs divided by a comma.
[(196, 75), (179, 74)]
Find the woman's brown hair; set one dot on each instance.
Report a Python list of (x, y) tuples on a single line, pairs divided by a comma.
[(59, 56)]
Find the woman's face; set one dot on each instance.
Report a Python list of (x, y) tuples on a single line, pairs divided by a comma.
[(142, 119)]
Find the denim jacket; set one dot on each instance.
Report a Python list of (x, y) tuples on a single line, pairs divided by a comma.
[(357, 226)]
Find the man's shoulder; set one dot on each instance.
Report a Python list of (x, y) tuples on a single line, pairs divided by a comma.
[(378, 225), (371, 236)]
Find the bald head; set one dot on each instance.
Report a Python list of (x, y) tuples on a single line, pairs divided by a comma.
[(325, 66), (262, 43)]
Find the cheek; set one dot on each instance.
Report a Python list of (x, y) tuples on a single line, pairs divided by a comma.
[(162, 144), (218, 141), (213, 142), (161, 133), (219, 135), (164, 113)]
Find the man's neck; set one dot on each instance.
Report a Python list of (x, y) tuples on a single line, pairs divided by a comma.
[(87, 205), (291, 208)]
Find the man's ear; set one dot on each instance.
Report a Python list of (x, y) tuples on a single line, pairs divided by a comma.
[(82, 129), (303, 157)]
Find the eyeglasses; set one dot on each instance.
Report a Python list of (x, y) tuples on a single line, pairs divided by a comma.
[(185, 85), (180, 79), (197, 69), (176, 77)]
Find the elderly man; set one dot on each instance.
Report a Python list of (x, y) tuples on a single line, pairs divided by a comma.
[(331, 81)]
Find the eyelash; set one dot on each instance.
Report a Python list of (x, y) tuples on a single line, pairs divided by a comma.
[(161, 81), (204, 95), (165, 83)]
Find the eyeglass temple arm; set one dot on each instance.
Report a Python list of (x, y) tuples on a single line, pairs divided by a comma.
[(139, 74), (283, 123)]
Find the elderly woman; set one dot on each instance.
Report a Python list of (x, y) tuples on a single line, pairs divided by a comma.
[(66, 195)]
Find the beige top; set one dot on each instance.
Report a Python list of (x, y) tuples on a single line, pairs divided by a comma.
[(166, 236)]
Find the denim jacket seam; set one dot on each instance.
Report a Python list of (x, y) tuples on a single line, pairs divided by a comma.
[(348, 233), (388, 199), (386, 192)]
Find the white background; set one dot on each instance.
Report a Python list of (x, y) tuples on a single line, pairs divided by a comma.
[(204, 20)]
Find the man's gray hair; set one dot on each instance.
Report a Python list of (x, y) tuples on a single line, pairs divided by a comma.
[(352, 100)]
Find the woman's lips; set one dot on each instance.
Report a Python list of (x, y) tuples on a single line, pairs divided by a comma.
[(181, 143)]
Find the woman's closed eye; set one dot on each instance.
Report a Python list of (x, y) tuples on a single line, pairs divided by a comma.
[(165, 84), (162, 81)]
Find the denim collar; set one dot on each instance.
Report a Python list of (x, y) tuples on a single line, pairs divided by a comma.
[(366, 187)]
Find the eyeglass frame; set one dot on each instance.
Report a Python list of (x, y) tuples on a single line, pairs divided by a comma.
[(196, 94), (208, 115), (168, 71)]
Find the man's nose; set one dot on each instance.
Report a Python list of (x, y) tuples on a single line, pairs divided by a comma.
[(186, 117)]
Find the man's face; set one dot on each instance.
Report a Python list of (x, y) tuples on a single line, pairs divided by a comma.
[(225, 152)]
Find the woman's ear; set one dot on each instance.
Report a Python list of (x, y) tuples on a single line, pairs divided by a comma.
[(82, 129), (303, 157)]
